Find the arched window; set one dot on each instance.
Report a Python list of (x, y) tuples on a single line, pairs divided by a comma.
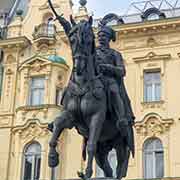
[(153, 16), (113, 162), (153, 156), (50, 27), (32, 162), (48, 24)]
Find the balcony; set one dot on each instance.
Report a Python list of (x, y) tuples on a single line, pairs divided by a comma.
[(45, 33)]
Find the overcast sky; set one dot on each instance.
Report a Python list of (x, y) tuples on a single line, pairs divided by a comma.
[(102, 7)]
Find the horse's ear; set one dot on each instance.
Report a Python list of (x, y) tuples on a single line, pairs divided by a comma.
[(72, 20), (91, 20)]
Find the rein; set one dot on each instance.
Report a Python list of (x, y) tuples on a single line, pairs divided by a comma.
[(85, 57)]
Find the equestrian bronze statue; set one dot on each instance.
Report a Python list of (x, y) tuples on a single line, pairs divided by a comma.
[(95, 101)]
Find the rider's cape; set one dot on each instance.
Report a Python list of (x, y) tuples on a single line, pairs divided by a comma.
[(129, 138), (128, 110)]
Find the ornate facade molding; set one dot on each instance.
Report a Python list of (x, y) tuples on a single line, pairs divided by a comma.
[(149, 27), (36, 111), (10, 59), (151, 42), (32, 129), (152, 56), (37, 63), (153, 125), (34, 63), (153, 105), (5, 120), (15, 42)]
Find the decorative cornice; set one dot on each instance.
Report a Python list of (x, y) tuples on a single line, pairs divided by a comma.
[(28, 123), (160, 25), (15, 42), (152, 105), (40, 107), (44, 62), (153, 125), (151, 56), (33, 128)]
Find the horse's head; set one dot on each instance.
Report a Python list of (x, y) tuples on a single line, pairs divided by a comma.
[(81, 37)]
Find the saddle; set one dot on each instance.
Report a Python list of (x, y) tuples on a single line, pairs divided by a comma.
[(73, 90)]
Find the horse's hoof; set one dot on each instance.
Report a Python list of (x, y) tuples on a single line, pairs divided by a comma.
[(53, 158), (81, 175), (89, 173)]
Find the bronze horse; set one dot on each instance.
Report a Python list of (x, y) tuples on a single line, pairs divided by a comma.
[(85, 105)]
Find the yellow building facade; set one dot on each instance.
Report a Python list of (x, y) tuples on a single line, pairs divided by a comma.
[(37, 62)]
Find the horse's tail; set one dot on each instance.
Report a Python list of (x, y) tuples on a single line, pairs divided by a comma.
[(84, 145), (130, 140), (132, 145)]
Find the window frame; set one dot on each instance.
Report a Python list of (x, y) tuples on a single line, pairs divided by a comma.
[(145, 97), (34, 163), (31, 89), (50, 27), (153, 152)]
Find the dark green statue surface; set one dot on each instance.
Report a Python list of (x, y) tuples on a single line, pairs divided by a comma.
[(95, 101)]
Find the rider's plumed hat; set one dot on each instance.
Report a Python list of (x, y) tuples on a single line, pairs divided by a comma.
[(108, 31), (103, 25)]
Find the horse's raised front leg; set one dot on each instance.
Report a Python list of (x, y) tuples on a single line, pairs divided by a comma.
[(94, 134), (65, 120)]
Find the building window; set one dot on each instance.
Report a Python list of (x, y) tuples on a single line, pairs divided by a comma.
[(32, 162), (153, 159), (152, 86), (37, 91), (50, 27), (59, 93), (153, 16), (112, 158)]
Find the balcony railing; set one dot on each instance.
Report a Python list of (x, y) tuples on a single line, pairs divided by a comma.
[(44, 30)]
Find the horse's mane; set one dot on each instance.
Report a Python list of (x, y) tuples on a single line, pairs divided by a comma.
[(84, 34)]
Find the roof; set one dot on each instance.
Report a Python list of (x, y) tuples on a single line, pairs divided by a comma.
[(170, 8), (56, 59)]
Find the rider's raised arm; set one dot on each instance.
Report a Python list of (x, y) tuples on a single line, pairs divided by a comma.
[(65, 24)]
